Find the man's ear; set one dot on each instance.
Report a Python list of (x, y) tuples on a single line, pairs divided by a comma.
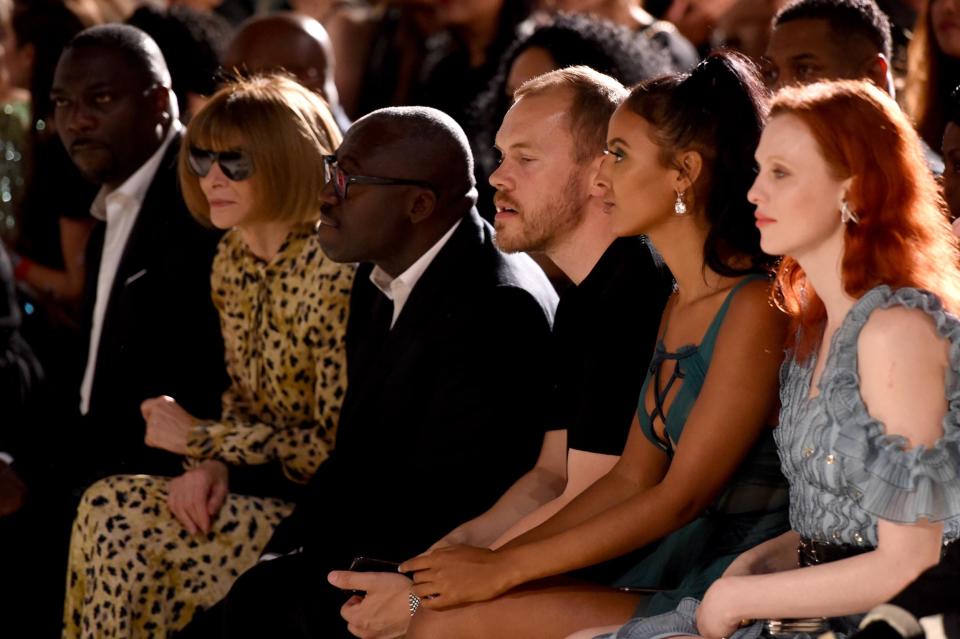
[(164, 103), (422, 205), (877, 69), (594, 187)]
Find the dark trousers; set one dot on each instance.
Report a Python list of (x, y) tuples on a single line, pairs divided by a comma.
[(287, 598)]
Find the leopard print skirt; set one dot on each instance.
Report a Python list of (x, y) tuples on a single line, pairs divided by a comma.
[(135, 572)]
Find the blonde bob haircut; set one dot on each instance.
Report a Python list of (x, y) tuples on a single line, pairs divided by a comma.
[(284, 128)]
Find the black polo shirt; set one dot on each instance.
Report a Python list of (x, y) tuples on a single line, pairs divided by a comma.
[(603, 338)]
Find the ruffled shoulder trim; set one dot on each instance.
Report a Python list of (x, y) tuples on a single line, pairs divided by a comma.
[(885, 478)]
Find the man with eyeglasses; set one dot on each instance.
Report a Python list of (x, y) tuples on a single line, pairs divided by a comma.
[(446, 350), (151, 324)]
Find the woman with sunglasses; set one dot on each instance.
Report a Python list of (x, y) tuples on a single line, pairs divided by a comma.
[(146, 552)]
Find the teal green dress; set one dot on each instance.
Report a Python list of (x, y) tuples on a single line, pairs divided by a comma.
[(752, 508)]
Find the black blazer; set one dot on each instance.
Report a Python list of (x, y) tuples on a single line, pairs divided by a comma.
[(442, 416), (161, 334)]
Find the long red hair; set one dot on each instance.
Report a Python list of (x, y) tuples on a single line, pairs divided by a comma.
[(904, 237)]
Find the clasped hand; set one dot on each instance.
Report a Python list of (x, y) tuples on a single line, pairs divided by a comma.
[(196, 496), (716, 617), (457, 575), (168, 424)]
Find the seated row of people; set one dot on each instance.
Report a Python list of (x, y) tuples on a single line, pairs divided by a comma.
[(296, 332), (430, 401)]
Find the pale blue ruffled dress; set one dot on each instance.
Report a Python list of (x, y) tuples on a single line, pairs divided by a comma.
[(845, 472)]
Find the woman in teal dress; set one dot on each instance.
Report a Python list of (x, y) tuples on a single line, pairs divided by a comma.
[(698, 480), (869, 431)]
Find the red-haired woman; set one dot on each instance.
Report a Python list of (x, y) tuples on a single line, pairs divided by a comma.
[(869, 432)]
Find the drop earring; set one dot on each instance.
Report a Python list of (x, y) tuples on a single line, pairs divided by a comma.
[(680, 206), (847, 214)]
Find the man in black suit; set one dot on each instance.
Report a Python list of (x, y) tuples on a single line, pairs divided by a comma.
[(446, 346), (151, 325)]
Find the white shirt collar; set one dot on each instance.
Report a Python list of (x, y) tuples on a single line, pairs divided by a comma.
[(131, 193), (398, 288)]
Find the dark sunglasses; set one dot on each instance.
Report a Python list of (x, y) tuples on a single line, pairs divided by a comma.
[(236, 165), (334, 174)]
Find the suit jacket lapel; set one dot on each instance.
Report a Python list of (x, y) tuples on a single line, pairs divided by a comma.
[(141, 243), (427, 300), (448, 269), (150, 216)]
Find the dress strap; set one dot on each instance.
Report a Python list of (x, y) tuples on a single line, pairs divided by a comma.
[(660, 394), (710, 337)]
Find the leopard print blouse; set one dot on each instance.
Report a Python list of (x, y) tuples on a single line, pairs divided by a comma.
[(284, 324)]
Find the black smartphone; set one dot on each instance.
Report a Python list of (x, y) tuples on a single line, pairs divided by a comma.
[(640, 591), (368, 564)]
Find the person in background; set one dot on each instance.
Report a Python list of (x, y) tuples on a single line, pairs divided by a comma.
[(465, 54), (745, 27), (54, 223), (815, 40), (21, 388), (14, 135), (951, 158), (288, 42), (833, 40), (192, 43), (248, 165), (631, 14), (933, 67), (695, 19), (381, 49), (21, 378)]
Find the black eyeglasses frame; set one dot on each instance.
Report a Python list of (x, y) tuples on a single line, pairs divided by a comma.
[(331, 168)]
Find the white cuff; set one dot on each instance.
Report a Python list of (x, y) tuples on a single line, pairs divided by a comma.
[(933, 627), (896, 617)]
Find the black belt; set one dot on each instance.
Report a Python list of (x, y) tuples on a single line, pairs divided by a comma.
[(812, 553)]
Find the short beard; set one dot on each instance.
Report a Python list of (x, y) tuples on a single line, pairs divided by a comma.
[(542, 226)]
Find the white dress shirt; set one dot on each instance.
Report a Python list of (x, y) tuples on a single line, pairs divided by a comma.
[(398, 289), (119, 208)]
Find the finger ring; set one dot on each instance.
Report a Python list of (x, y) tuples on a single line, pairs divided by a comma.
[(414, 604)]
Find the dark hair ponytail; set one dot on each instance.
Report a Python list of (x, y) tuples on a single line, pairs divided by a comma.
[(718, 110)]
